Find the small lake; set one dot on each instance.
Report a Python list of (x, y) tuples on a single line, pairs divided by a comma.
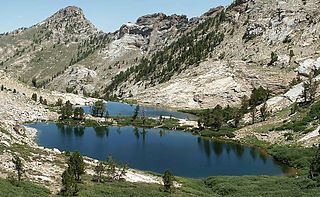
[(124, 109), (157, 150)]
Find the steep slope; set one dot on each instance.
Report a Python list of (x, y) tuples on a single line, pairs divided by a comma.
[(47, 48), (243, 35), (127, 46)]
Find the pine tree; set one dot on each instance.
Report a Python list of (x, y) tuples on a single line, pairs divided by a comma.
[(70, 187), (34, 97), (98, 109), (34, 82), (40, 99), (59, 102), (106, 115), (291, 55), (135, 113), (76, 165), (111, 168), (99, 170), (78, 113), (253, 114), (263, 111), (237, 118), (274, 58), (168, 180), (66, 111), (18, 166), (45, 102), (309, 89), (315, 166)]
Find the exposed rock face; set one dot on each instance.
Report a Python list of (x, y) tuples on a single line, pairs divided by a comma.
[(307, 66), (69, 20), (155, 30), (162, 22), (211, 83), (76, 79), (213, 11), (131, 28), (254, 30)]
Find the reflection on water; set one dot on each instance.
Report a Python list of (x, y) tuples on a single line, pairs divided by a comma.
[(217, 148), (123, 109), (159, 149)]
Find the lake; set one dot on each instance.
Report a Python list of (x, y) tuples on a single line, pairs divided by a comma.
[(124, 109), (157, 150)]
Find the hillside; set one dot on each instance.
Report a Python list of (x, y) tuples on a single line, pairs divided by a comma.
[(169, 60), (226, 53), (45, 50)]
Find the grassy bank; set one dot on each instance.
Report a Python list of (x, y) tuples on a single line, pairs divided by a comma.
[(85, 122), (212, 186), (291, 155), (25, 189)]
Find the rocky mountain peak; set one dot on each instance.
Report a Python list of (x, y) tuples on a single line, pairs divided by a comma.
[(148, 23), (69, 13), (213, 11), (69, 20), (150, 19), (161, 18), (71, 10)]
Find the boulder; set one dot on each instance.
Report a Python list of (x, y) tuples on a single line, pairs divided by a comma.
[(19, 129), (306, 66)]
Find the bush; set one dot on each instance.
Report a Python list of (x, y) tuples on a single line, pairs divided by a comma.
[(293, 156), (13, 180), (168, 180), (224, 189)]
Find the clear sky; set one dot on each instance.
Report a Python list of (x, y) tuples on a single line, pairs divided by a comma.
[(107, 15)]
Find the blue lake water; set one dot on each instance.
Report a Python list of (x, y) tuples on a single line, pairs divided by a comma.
[(157, 150), (123, 109)]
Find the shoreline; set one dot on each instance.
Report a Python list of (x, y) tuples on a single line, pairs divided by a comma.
[(263, 150)]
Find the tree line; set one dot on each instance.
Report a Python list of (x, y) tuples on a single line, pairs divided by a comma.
[(216, 117)]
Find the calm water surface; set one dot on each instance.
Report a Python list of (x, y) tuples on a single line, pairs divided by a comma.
[(157, 150), (123, 109)]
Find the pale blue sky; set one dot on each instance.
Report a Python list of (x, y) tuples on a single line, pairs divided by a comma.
[(107, 15)]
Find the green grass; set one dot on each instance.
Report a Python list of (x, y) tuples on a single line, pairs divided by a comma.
[(191, 187), (25, 189), (222, 132), (263, 186), (149, 122), (2, 147), (130, 101), (294, 156), (304, 120), (212, 186), (29, 153), (291, 155), (85, 123), (2, 130), (26, 151)]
